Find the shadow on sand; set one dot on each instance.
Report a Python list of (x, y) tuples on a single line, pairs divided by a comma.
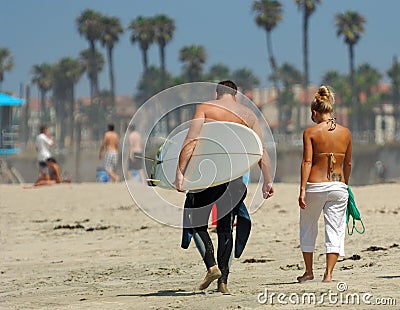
[(388, 277), (281, 283), (174, 293)]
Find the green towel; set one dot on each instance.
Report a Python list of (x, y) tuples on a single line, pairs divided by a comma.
[(354, 213)]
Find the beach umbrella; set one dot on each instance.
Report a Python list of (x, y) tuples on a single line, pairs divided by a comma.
[(7, 100)]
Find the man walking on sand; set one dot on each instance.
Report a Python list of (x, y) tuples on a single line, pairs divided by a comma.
[(110, 146), (136, 153), (230, 195)]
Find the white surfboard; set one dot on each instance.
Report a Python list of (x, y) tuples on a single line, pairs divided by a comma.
[(225, 151)]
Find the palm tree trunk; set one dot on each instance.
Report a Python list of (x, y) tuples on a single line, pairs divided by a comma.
[(42, 105), (271, 54), (72, 119), (145, 62), (305, 64), (354, 124), (78, 150), (93, 65), (275, 74), (162, 58), (26, 113), (112, 81)]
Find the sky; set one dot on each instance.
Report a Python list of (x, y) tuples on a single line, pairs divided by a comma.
[(42, 31)]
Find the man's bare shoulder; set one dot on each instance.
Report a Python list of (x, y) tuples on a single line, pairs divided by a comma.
[(111, 135)]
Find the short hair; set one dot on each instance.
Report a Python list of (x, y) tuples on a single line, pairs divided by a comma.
[(111, 127), (323, 100), (132, 127), (226, 87), (42, 128)]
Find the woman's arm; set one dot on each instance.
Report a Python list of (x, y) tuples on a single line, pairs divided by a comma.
[(347, 161), (306, 164)]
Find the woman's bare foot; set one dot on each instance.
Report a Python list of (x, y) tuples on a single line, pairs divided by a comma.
[(305, 277), (327, 277)]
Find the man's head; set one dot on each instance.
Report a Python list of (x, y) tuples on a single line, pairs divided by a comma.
[(43, 128), (132, 127), (110, 127), (226, 87)]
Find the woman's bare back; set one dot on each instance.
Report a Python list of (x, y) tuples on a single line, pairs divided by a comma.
[(329, 150)]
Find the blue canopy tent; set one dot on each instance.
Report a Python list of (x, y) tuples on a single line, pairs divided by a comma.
[(9, 130), (7, 100)]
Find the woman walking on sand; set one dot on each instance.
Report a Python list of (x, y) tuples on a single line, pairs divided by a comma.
[(325, 173)]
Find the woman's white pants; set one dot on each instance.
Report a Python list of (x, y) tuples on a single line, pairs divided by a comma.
[(331, 198)]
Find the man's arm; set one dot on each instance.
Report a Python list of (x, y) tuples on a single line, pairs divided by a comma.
[(103, 146), (189, 145), (264, 164), (49, 140)]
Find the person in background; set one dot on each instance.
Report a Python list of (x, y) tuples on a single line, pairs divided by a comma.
[(54, 176), (136, 153), (110, 148), (42, 145)]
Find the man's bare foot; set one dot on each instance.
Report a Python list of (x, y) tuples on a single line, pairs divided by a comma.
[(305, 277), (213, 274)]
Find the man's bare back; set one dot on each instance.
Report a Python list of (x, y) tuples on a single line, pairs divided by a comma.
[(111, 141), (135, 142)]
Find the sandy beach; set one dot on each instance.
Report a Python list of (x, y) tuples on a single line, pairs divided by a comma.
[(88, 246)]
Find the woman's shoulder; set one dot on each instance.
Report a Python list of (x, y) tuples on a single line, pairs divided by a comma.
[(343, 129)]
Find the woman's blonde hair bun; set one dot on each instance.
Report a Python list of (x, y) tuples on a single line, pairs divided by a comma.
[(324, 100)]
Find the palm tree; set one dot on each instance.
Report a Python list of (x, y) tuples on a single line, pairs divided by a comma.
[(151, 83), (289, 76), (268, 15), (164, 32), (43, 78), (245, 79), (394, 74), (143, 32), (67, 73), (111, 30), (307, 7), (193, 58), (6, 63), (340, 84), (86, 56), (90, 26), (217, 73), (367, 79), (350, 25)]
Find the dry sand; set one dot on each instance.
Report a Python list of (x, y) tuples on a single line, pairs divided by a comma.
[(87, 246)]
